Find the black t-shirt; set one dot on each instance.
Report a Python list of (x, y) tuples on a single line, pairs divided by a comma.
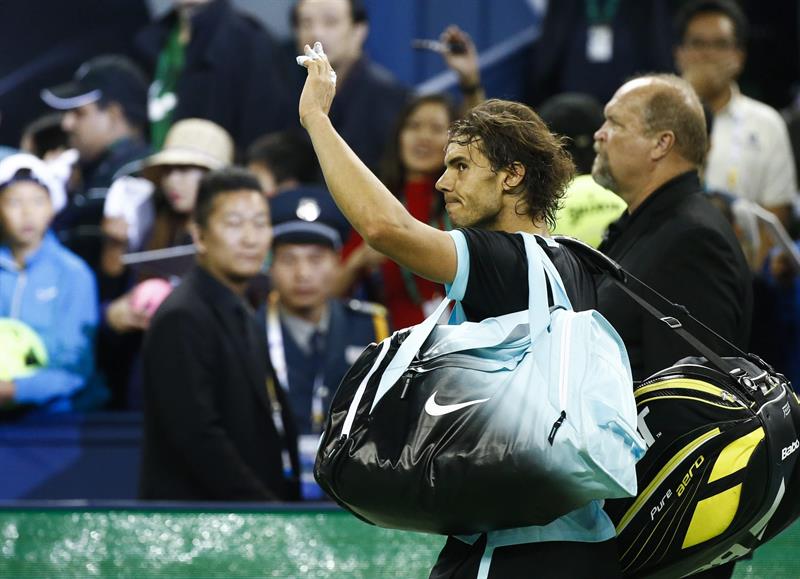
[(498, 275)]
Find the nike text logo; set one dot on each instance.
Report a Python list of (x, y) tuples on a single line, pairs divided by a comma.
[(434, 409)]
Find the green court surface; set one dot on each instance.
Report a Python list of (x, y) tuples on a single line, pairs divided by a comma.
[(118, 543)]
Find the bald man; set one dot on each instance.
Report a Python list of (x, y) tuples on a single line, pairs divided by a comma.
[(648, 151)]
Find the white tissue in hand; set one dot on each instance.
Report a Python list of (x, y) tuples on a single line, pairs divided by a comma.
[(129, 198), (315, 53)]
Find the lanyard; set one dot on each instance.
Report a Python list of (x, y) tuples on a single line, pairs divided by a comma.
[(597, 15), (277, 355), (280, 427)]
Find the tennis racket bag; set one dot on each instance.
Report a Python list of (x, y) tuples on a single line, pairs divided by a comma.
[(512, 421), (720, 475)]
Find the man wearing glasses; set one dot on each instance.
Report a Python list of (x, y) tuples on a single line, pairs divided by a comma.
[(751, 154)]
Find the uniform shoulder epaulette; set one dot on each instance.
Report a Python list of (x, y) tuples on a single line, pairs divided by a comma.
[(367, 308)]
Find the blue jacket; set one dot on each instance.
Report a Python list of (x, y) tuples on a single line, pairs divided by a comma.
[(55, 294)]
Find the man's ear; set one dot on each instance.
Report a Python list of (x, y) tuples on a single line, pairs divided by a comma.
[(197, 237), (665, 141), (514, 175)]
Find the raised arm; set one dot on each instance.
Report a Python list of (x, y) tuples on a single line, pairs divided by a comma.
[(373, 211)]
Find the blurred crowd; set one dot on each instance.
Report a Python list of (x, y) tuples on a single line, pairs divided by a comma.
[(112, 198)]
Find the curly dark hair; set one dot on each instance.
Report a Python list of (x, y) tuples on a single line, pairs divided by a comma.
[(506, 133)]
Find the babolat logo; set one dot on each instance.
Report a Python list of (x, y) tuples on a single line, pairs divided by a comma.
[(687, 478), (790, 449)]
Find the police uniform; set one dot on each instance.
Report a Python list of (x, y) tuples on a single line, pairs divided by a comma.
[(311, 359)]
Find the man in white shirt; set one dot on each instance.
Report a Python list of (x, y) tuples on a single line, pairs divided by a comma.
[(751, 155)]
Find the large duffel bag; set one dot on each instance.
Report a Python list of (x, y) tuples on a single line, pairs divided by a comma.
[(509, 422), (720, 475)]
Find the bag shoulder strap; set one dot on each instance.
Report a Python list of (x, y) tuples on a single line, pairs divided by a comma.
[(671, 314)]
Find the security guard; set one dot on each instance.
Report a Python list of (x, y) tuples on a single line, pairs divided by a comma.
[(313, 338)]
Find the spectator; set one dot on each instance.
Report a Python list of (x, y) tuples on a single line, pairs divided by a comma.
[(751, 154), (216, 425), (160, 221), (592, 46), (368, 98), (313, 338), (212, 62), (671, 236), (414, 160), (48, 288), (283, 161), (45, 137), (587, 208), (105, 114)]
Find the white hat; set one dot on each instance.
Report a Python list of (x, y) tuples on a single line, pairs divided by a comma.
[(40, 173)]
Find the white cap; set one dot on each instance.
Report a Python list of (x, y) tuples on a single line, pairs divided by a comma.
[(40, 172)]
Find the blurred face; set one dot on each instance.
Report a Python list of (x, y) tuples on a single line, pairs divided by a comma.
[(621, 143), (331, 23), (708, 57), (423, 139), (266, 177), (90, 129), (303, 274), (180, 185), (25, 213), (473, 193), (234, 243)]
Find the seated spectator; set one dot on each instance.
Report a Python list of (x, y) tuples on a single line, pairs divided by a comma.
[(105, 113), (368, 98), (210, 61), (48, 289), (193, 147), (282, 161), (313, 338), (216, 424), (586, 208), (45, 137), (413, 162)]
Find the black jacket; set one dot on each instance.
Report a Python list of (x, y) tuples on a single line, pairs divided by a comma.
[(208, 428), (681, 245), (233, 74)]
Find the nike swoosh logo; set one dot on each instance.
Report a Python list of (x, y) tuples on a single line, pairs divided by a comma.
[(434, 409)]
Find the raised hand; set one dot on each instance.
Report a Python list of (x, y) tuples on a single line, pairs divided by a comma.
[(320, 85)]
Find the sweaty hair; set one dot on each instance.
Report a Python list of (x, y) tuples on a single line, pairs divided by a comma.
[(674, 106), (287, 154), (219, 182), (507, 132), (725, 7)]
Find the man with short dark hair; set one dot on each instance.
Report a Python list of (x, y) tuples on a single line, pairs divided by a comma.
[(105, 112), (751, 154), (369, 98), (671, 237), (217, 424), (505, 173)]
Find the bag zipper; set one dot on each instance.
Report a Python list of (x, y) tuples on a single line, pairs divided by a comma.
[(563, 381)]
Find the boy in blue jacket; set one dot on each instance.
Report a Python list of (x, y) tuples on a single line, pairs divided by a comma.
[(46, 287)]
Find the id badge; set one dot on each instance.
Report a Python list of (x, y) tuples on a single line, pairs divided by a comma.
[(599, 43)]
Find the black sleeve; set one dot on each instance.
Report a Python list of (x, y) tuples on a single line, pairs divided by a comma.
[(498, 275), (179, 371)]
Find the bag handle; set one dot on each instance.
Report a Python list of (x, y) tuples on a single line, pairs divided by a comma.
[(540, 271), (656, 305)]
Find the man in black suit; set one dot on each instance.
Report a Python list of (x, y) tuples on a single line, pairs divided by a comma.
[(216, 425), (671, 237)]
